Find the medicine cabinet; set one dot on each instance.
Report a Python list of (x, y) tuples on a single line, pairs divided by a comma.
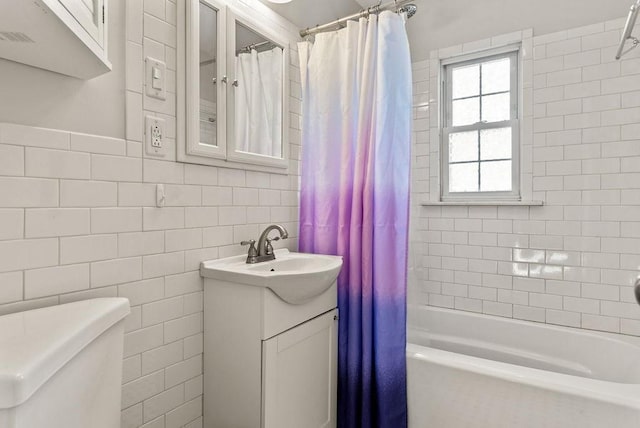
[(47, 33), (234, 106)]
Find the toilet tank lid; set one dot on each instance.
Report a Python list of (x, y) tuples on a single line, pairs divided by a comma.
[(35, 344)]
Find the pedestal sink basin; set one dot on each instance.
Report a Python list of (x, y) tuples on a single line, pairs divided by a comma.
[(294, 277)]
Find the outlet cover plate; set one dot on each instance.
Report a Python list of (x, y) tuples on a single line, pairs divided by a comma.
[(155, 137)]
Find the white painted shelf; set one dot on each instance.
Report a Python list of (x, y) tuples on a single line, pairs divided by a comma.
[(483, 203)]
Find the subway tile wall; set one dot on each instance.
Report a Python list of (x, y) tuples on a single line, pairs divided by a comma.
[(574, 260), (78, 219)]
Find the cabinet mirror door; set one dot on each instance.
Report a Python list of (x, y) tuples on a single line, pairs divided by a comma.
[(258, 95), (206, 65)]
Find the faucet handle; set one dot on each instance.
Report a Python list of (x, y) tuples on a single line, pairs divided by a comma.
[(252, 255), (252, 247), (269, 249)]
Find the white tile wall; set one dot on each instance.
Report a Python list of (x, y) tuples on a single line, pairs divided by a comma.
[(78, 220), (572, 261)]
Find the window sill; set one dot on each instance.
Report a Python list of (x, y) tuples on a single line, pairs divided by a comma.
[(487, 203)]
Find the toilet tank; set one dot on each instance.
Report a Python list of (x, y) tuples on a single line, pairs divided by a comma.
[(61, 366)]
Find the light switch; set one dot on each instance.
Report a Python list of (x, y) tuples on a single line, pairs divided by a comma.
[(156, 78), (155, 81)]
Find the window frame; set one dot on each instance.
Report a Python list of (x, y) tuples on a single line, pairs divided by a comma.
[(446, 128)]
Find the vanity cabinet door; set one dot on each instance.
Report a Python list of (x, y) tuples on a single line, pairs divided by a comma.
[(299, 370)]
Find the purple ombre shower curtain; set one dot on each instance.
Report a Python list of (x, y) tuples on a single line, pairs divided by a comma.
[(356, 136)]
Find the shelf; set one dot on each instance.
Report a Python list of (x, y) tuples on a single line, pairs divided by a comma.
[(484, 203)]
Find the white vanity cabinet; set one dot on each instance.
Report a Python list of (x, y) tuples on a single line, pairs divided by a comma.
[(268, 363), (65, 36)]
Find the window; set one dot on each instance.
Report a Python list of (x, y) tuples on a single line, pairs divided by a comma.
[(480, 138)]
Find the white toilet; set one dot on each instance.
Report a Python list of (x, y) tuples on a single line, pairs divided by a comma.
[(61, 367)]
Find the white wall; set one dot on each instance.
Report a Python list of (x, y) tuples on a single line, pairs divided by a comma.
[(78, 220), (574, 260), (36, 97), (447, 23)]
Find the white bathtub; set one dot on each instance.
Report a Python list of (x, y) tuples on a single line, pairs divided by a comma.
[(477, 371)]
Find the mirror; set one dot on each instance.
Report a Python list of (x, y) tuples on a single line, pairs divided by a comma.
[(201, 120), (258, 93), (208, 75)]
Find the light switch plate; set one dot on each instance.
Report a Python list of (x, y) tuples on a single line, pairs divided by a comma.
[(155, 78), (155, 138)]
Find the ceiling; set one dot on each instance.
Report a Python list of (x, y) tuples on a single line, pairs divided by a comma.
[(442, 23), (309, 13)]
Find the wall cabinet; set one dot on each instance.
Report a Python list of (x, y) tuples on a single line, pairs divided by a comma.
[(268, 363), (65, 36), (233, 93), (89, 14)]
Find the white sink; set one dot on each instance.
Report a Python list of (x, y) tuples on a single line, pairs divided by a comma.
[(294, 277)]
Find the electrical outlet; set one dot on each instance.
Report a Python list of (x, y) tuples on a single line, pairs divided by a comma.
[(154, 136)]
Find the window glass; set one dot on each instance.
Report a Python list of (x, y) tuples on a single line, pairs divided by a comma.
[(496, 108), (466, 111), (495, 176), (495, 144), (466, 81), (463, 147), (496, 76), (463, 177)]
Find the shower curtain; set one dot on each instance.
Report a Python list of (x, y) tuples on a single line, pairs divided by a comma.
[(259, 102), (354, 202)]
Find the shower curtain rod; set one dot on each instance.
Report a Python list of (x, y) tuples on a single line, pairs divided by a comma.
[(362, 14), (248, 48), (628, 29)]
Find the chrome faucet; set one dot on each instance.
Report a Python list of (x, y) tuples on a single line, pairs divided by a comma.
[(264, 252)]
